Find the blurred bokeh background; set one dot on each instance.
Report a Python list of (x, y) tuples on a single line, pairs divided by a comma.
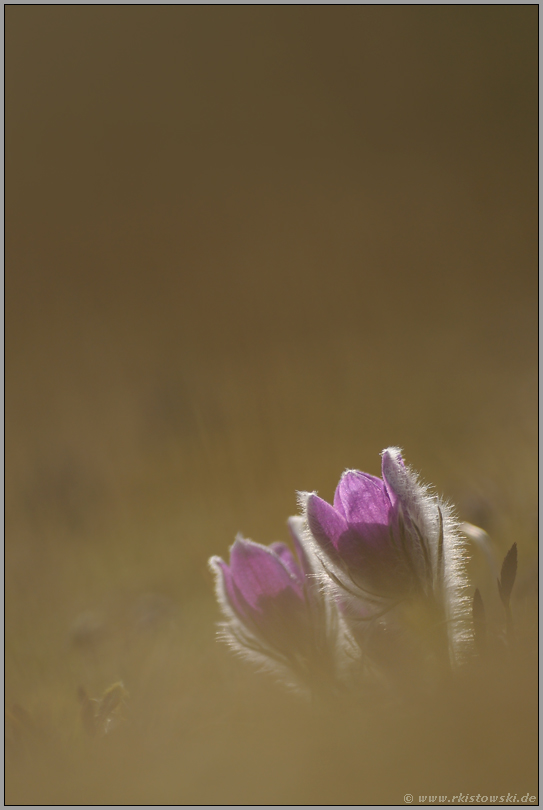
[(246, 248)]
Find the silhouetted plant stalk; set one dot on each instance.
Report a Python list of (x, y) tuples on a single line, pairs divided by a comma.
[(505, 587), (375, 591)]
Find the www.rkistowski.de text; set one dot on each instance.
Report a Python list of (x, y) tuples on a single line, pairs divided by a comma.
[(473, 798)]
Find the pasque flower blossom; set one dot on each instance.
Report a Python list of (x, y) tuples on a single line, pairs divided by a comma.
[(276, 612), (375, 585), (388, 541)]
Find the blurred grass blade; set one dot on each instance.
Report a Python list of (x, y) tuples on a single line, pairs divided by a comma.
[(508, 576)]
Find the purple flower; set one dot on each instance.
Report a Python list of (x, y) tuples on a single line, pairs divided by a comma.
[(274, 608), (387, 541)]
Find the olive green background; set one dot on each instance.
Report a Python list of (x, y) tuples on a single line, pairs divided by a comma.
[(247, 248)]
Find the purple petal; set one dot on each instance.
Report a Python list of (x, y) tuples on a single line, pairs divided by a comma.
[(296, 525), (275, 603), (365, 502), (227, 590), (325, 523), (258, 572), (338, 504), (365, 546), (287, 558)]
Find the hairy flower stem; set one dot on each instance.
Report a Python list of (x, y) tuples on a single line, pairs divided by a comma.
[(427, 621)]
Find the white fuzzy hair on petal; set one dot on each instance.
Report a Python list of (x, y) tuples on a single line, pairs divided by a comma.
[(457, 601), (437, 522)]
